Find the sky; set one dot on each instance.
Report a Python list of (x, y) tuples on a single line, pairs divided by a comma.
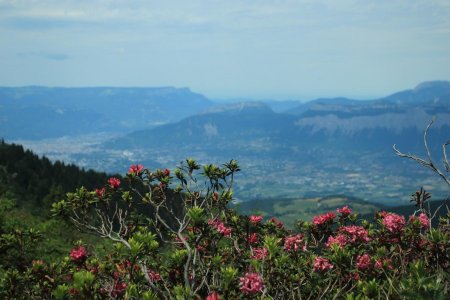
[(228, 49)]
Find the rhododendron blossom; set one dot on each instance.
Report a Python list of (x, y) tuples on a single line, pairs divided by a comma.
[(220, 227), (166, 172), (324, 219), (154, 276), (363, 262), (100, 192), (355, 234), (114, 182), (340, 240), (393, 222), (424, 221), (135, 169), (253, 238), (78, 254), (119, 289), (259, 253), (294, 243), (251, 283), (322, 264), (345, 211), (255, 219)]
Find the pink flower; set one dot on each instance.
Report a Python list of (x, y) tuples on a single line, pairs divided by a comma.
[(363, 262), (119, 289), (78, 254), (253, 238), (294, 243), (166, 172), (340, 240), (226, 231), (154, 276), (322, 264), (276, 222), (251, 283), (424, 221), (344, 211), (220, 227), (114, 182), (100, 192), (135, 169), (323, 219), (213, 296), (259, 253), (255, 219), (393, 222), (355, 234)]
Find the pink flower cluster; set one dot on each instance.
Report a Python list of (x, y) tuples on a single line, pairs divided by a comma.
[(294, 243), (340, 240), (322, 264), (344, 211), (251, 283), (393, 222), (423, 219), (324, 219), (220, 227), (78, 254), (114, 182), (100, 193), (253, 238), (363, 262), (259, 253), (166, 172), (355, 234), (135, 169), (255, 219), (154, 276)]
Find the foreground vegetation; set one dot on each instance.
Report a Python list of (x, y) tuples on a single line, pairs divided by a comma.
[(200, 248), (174, 235)]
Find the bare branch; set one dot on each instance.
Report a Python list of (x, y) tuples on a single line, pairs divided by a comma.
[(428, 163)]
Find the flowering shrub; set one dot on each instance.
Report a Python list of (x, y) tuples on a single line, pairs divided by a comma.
[(175, 237)]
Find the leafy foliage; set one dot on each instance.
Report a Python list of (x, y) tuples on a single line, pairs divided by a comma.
[(174, 235)]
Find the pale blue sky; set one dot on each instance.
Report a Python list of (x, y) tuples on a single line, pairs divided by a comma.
[(258, 49)]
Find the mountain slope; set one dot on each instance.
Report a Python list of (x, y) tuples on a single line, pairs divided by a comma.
[(41, 112)]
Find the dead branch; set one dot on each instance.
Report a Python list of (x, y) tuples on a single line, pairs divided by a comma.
[(429, 162)]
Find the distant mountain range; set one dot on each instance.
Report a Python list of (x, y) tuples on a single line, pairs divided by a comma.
[(43, 112), (338, 122)]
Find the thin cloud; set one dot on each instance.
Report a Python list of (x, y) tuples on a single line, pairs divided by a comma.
[(44, 55)]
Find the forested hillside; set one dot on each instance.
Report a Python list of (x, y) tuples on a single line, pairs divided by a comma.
[(36, 182), (29, 184)]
